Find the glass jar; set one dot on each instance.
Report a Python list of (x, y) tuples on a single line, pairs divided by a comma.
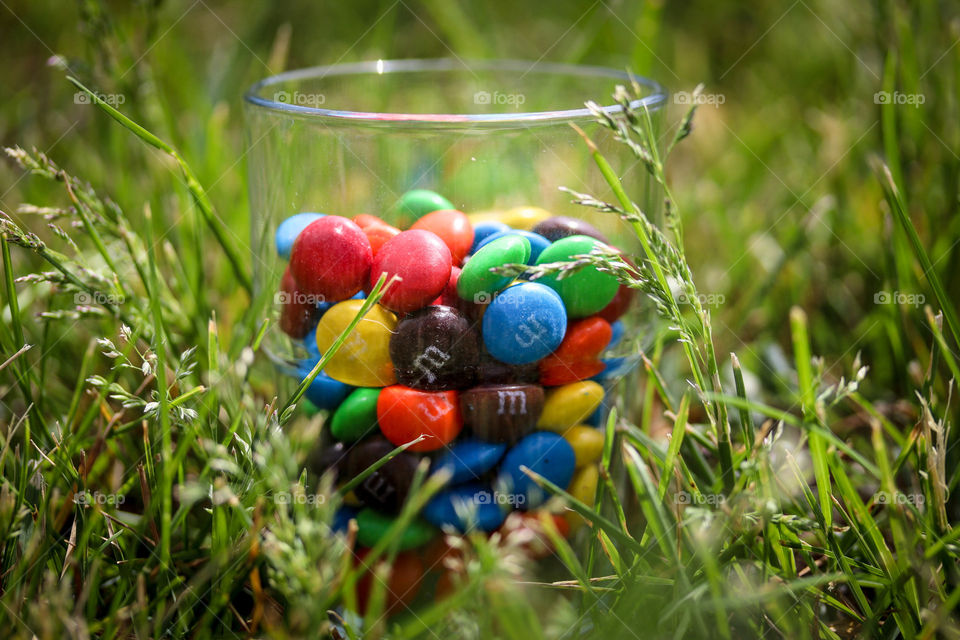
[(495, 140)]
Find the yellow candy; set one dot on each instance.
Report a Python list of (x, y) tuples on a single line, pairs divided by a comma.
[(583, 487), (364, 358), (351, 500), (569, 405), (525, 218), (587, 443)]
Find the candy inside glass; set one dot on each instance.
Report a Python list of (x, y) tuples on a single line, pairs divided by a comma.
[(491, 139)]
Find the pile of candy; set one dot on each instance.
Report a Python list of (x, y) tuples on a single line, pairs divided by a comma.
[(497, 373)]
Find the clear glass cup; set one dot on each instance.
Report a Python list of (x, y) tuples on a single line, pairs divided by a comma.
[(487, 135)]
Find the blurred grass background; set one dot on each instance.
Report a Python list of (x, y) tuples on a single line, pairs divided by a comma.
[(781, 204)]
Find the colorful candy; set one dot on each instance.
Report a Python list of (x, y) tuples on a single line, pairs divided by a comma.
[(298, 313), (331, 259), (467, 460), (483, 230), (477, 283), (524, 323), (465, 508), (456, 354), (570, 405), (578, 356), (585, 291), (416, 203), (587, 443), (405, 414), (583, 487), (435, 348), (422, 262), (364, 358), (386, 488), (558, 227), (356, 417), (501, 412), (405, 577), (546, 454), (373, 525), (289, 229), (377, 231), (324, 392), (537, 242), (451, 226)]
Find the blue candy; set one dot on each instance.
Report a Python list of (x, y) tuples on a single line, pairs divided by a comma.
[(468, 459), (616, 368), (324, 392), (310, 343), (617, 336), (537, 242), (323, 307), (465, 508), (290, 228), (483, 231), (524, 323), (543, 452), (342, 518)]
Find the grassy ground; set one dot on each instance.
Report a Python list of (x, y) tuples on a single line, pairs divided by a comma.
[(820, 225)]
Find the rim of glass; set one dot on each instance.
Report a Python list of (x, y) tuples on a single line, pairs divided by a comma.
[(653, 101)]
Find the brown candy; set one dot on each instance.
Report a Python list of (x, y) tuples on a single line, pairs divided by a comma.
[(386, 488), (502, 412), (435, 349), (559, 227)]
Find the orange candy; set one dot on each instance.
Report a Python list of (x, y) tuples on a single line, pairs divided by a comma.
[(376, 230), (404, 414), (406, 575), (578, 356), (454, 229)]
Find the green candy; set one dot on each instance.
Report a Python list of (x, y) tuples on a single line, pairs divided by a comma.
[(372, 526), (417, 203), (309, 408), (586, 291), (476, 282), (355, 416)]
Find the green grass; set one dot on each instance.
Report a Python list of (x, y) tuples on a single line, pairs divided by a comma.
[(787, 468)]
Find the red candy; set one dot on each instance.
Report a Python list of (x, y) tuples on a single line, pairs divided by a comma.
[(423, 262), (377, 231), (404, 414), (298, 314), (578, 356), (453, 227), (620, 303), (331, 259), (406, 575), (448, 297)]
